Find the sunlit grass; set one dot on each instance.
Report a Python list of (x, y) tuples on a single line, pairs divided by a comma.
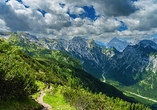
[(41, 86), (56, 100)]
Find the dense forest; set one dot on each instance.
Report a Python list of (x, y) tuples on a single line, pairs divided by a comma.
[(22, 66)]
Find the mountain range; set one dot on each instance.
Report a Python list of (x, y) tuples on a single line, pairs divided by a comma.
[(134, 66), (27, 66)]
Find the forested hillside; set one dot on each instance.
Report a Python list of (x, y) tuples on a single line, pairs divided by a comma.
[(20, 72)]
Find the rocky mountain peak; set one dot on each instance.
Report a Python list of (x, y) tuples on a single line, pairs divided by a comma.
[(29, 37), (146, 43), (118, 44)]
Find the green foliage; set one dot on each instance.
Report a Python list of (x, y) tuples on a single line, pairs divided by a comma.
[(84, 100), (143, 90), (82, 90), (55, 98), (16, 76), (65, 58), (35, 50), (76, 77), (24, 104), (64, 69)]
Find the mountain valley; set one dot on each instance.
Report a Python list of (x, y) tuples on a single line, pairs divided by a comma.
[(68, 62)]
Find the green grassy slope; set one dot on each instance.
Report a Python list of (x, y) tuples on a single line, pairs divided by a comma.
[(19, 74)]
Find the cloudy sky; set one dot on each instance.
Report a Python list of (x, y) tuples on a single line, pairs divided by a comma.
[(96, 19)]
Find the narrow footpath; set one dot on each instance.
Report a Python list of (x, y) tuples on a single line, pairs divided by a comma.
[(40, 101)]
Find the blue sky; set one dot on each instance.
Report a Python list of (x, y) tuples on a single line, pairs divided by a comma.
[(100, 20), (89, 12)]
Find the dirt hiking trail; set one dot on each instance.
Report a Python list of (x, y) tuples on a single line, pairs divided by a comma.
[(40, 101)]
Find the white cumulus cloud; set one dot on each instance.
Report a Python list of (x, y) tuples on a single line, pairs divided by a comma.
[(139, 17)]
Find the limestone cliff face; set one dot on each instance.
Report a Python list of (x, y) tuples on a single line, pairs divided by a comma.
[(129, 66)]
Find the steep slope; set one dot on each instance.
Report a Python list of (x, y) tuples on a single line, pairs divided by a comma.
[(10, 76), (87, 51), (96, 60), (135, 67), (17, 79), (61, 63), (133, 62), (48, 67)]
